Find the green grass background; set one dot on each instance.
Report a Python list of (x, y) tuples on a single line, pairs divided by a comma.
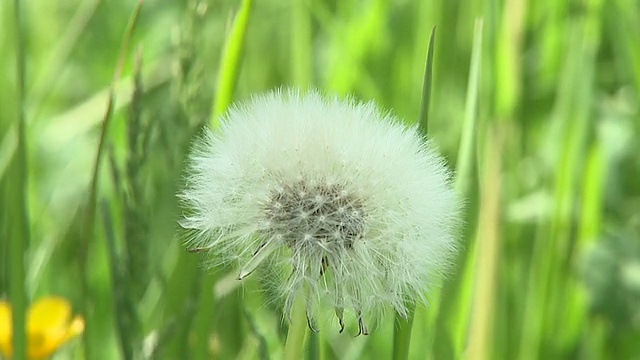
[(542, 127)]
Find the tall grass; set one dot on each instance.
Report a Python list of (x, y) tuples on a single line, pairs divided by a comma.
[(15, 216), (537, 109)]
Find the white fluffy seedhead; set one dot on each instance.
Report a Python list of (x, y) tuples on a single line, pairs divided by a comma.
[(339, 200)]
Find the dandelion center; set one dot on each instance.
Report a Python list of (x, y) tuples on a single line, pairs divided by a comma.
[(304, 213)]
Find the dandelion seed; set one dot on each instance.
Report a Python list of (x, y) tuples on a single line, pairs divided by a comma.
[(355, 208)]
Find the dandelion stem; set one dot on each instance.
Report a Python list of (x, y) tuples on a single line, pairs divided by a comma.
[(297, 330), (314, 349), (402, 335)]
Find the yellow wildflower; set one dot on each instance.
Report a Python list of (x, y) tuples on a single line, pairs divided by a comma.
[(49, 325)]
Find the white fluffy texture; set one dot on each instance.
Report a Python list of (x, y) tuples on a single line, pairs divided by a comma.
[(400, 233)]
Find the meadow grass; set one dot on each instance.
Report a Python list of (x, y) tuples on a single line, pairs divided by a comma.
[(535, 105)]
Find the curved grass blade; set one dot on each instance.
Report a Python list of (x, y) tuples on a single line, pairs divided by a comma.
[(404, 324)]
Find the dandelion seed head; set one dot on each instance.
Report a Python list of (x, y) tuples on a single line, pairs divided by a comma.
[(349, 205)]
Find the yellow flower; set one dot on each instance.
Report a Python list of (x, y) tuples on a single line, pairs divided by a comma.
[(49, 325)]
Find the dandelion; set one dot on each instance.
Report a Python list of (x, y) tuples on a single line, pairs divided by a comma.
[(330, 197), (49, 325)]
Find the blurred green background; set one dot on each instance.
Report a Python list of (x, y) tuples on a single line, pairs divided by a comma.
[(542, 127)]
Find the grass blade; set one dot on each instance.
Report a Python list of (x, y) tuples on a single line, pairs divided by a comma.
[(464, 165), (403, 325), (19, 231), (486, 273), (231, 58), (423, 117), (93, 187), (463, 181)]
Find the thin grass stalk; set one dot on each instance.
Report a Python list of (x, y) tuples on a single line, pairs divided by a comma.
[(592, 197), (128, 268), (464, 164), (230, 63), (89, 225), (119, 291), (547, 281), (423, 115), (508, 59), (464, 179), (481, 328), (228, 73), (572, 310), (404, 324), (19, 227)]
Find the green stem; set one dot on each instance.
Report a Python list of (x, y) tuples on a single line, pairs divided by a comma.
[(231, 57), (402, 335), (297, 330), (403, 325), (90, 335), (464, 164), (423, 116), (17, 201), (313, 349)]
